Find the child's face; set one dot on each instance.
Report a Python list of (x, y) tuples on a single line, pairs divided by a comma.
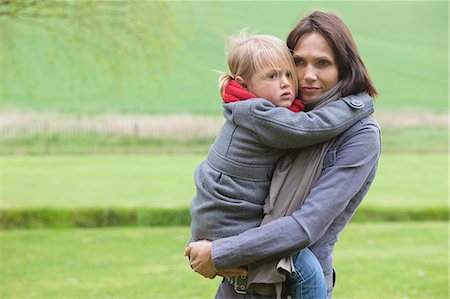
[(275, 85)]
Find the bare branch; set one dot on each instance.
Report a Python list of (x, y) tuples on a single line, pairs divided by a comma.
[(110, 30)]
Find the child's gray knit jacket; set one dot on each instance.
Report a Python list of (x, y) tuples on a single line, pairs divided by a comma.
[(233, 181)]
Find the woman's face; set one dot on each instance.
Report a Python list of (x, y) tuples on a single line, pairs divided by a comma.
[(316, 66)]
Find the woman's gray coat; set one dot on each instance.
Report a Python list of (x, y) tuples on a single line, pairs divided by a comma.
[(348, 171), (233, 181)]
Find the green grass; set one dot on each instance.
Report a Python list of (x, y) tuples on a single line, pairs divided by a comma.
[(85, 143), (410, 180), (86, 181), (389, 261), (395, 140), (33, 218), (393, 261), (37, 218), (408, 72), (166, 181), (414, 139)]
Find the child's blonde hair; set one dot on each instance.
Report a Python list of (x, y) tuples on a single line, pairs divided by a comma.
[(248, 54)]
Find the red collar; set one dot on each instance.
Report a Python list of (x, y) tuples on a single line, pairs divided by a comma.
[(234, 92)]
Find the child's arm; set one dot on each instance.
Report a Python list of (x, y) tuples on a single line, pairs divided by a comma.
[(332, 201), (280, 128)]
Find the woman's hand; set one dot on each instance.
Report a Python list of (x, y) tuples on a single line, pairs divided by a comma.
[(233, 272), (200, 259)]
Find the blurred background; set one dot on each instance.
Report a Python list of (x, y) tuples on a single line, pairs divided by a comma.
[(107, 107)]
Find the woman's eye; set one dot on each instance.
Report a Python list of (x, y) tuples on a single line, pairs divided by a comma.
[(298, 61), (322, 63)]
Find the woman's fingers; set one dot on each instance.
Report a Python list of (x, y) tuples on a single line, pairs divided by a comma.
[(233, 272), (200, 258), (204, 270), (187, 251)]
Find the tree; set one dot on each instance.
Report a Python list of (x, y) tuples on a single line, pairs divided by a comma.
[(112, 30)]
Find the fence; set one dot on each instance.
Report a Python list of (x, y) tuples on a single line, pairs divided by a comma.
[(48, 133), (60, 133)]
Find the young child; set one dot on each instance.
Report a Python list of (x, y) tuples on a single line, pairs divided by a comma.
[(263, 121)]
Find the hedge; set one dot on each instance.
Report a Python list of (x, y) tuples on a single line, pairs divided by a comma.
[(31, 218), (91, 217)]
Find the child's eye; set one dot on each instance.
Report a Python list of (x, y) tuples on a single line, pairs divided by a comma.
[(289, 74), (272, 76)]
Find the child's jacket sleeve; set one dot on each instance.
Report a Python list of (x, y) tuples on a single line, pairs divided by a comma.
[(281, 128)]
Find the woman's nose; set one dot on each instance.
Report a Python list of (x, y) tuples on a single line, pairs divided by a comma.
[(310, 74)]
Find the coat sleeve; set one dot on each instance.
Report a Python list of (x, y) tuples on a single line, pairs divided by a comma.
[(355, 160), (281, 128)]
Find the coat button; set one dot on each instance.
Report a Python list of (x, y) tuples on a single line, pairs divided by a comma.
[(356, 103)]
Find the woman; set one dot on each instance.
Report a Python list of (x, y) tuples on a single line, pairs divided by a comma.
[(327, 58)]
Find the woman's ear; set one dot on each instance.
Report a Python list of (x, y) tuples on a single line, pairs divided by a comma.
[(241, 81)]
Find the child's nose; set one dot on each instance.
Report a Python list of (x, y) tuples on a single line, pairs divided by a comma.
[(284, 81)]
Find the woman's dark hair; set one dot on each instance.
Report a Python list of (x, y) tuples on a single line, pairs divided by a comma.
[(352, 71)]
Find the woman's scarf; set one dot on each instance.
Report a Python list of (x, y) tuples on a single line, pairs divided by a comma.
[(235, 92), (293, 178)]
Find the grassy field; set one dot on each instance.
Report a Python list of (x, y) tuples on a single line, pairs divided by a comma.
[(389, 261), (41, 74), (408, 64), (426, 139), (167, 181)]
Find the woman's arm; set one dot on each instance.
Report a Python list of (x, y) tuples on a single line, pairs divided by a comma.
[(281, 128), (338, 184)]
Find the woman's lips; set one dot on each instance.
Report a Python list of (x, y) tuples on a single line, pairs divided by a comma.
[(310, 89)]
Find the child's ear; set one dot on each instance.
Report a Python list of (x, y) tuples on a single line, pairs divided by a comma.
[(241, 81)]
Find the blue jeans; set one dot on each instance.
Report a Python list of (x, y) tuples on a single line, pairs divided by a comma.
[(309, 281)]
